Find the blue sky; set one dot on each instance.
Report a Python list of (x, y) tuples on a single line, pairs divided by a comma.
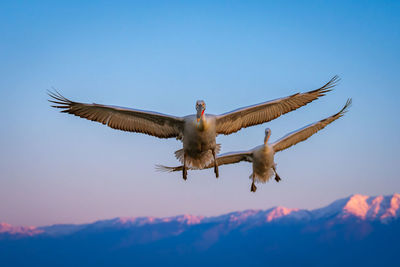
[(163, 56)]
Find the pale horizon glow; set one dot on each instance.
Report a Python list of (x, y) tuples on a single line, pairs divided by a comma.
[(162, 57)]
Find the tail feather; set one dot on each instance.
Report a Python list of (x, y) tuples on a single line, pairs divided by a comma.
[(202, 161), (179, 155), (162, 168), (264, 177)]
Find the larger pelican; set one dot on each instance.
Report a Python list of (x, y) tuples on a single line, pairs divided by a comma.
[(197, 132), (262, 156)]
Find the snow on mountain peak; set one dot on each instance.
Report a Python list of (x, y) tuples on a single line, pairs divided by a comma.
[(381, 208), (357, 206), (279, 212), (394, 209), (140, 221), (189, 219), (8, 228), (261, 216)]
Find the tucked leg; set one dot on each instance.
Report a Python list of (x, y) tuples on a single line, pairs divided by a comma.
[(215, 165), (184, 169), (277, 178), (253, 186)]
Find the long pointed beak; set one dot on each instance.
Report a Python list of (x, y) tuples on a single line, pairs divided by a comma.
[(266, 138), (199, 116)]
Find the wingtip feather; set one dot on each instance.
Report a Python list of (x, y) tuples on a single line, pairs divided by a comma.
[(331, 83), (346, 107), (55, 95)]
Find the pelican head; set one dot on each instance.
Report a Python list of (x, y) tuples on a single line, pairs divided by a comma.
[(267, 135), (200, 108)]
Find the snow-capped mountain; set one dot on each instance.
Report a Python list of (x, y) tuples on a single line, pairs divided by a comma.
[(380, 208), (358, 230)]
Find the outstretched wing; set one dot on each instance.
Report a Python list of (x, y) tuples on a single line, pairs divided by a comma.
[(125, 119), (305, 132), (252, 115), (227, 158)]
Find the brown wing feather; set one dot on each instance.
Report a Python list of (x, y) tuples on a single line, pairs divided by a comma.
[(304, 133), (235, 120), (125, 119)]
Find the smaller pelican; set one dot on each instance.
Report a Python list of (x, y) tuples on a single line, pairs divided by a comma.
[(262, 156)]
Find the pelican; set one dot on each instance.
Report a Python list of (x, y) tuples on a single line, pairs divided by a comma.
[(197, 132), (262, 156)]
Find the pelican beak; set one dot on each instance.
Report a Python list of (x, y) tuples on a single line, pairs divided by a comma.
[(199, 116)]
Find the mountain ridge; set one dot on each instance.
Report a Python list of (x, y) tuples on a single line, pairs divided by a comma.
[(357, 206), (354, 231)]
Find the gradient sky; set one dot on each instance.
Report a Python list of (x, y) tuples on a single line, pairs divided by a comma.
[(163, 56)]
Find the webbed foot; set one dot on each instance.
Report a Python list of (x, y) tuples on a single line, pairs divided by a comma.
[(253, 187), (184, 174), (216, 171)]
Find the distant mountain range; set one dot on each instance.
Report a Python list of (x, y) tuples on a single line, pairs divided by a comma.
[(352, 231)]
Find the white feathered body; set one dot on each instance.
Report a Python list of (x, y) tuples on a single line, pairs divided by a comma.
[(199, 139), (263, 161)]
